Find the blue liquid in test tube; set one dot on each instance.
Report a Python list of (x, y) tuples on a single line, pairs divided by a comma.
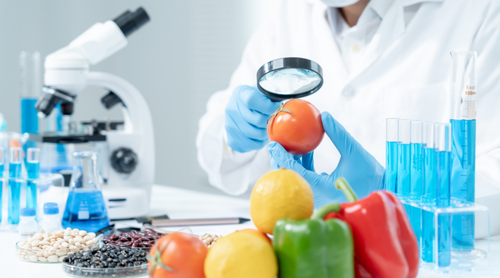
[(463, 152), (33, 169), (29, 117), (1, 180), (14, 185), (443, 133), (404, 161), (391, 165), (417, 177), (429, 193), (463, 157)]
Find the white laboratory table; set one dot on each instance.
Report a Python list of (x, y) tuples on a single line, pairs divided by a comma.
[(177, 203)]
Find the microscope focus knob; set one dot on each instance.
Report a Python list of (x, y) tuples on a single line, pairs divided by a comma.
[(124, 160)]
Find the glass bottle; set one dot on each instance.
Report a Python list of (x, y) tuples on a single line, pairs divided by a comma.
[(27, 225), (85, 207)]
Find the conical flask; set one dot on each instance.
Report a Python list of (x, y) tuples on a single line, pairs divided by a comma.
[(85, 207)]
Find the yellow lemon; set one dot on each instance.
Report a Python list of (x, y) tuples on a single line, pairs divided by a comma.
[(241, 255), (280, 194)]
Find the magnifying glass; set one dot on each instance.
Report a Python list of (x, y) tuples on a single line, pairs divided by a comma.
[(287, 78)]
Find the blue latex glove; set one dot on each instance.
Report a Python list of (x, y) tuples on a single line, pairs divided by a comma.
[(356, 165), (246, 119)]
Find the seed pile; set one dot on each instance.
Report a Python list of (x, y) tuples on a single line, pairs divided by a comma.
[(133, 239), (53, 247), (209, 239), (108, 257)]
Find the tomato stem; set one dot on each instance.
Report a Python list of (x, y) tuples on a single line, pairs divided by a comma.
[(156, 260), (280, 109)]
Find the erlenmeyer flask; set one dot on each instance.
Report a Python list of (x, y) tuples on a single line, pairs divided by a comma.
[(85, 207)]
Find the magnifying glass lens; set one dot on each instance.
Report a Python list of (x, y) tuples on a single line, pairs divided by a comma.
[(290, 81), (290, 77)]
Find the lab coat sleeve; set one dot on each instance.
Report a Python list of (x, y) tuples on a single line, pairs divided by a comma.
[(229, 170), (487, 45)]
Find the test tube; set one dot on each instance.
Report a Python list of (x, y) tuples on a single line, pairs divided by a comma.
[(417, 176), (443, 141), (33, 169), (16, 158), (391, 165), (404, 157), (31, 85), (429, 193), (2, 157)]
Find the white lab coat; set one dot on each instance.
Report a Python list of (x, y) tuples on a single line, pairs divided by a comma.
[(404, 74)]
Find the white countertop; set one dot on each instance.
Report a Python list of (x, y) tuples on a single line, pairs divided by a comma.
[(180, 203)]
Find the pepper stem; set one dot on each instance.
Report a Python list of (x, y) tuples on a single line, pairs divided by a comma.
[(324, 210), (342, 184)]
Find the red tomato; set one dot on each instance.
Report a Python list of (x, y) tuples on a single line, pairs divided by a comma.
[(180, 256), (297, 126)]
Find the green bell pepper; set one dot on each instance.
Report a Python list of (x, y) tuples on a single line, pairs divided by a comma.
[(313, 248)]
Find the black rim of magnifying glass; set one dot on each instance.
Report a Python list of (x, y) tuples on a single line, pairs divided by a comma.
[(287, 63)]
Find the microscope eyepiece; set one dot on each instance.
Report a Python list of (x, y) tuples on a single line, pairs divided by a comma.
[(50, 98), (129, 22)]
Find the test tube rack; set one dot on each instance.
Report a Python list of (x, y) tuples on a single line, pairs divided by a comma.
[(460, 263)]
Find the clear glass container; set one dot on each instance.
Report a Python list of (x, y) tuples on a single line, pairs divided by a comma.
[(85, 207), (75, 271)]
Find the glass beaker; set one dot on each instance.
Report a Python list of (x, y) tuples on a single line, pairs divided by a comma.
[(85, 207)]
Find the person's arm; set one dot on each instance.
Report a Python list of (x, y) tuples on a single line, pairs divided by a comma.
[(227, 169)]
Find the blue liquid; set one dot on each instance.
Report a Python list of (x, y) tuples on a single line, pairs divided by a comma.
[(29, 117), (463, 171), (14, 193), (33, 170), (57, 112), (404, 173), (429, 197), (417, 180), (1, 191), (391, 166), (443, 201), (28, 144), (85, 210)]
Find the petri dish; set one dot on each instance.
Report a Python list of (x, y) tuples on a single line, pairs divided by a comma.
[(75, 271)]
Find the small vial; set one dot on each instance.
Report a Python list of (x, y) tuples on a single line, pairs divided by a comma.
[(27, 224), (50, 220)]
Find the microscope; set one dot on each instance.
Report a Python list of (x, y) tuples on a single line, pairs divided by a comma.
[(128, 155)]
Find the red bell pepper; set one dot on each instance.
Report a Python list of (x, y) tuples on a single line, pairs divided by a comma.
[(385, 245)]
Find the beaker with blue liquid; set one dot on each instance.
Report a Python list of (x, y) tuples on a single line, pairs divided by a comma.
[(85, 207), (391, 163)]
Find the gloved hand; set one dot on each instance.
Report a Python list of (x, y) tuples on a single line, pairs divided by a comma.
[(356, 165), (246, 119)]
